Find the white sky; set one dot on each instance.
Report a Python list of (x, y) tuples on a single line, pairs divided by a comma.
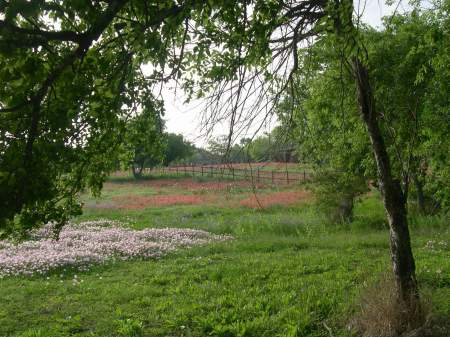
[(185, 118)]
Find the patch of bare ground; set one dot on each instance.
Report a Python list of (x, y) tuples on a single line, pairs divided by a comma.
[(276, 198)]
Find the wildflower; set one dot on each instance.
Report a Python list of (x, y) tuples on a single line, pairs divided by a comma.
[(93, 242)]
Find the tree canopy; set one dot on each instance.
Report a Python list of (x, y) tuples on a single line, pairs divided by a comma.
[(73, 79), (144, 143), (177, 148)]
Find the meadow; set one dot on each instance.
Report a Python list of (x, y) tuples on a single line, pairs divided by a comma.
[(286, 271)]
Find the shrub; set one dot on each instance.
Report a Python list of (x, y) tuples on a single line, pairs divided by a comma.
[(336, 193), (382, 314)]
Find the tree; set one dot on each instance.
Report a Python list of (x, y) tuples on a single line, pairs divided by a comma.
[(202, 156), (72, 79), (221, 151), (177, 148), (400, 54), (273, 146), (144, 141), (404, 54), (329, 132)]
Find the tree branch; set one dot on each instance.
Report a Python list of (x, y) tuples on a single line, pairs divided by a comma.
[(64, 35)]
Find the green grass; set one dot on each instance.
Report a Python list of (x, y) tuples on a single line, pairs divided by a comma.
[(286, 273)]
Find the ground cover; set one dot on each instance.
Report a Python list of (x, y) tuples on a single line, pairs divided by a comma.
[(137, 202), (286, 272), (86, 244), (284, 198), (130, 194)]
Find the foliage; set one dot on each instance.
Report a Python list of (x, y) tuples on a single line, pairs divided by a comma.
[(130, 328), (409, 53), (201, 156), (177, 148), (144, 144), (337, 193), (276, 145), (61, 128), (326, 122), (222, 151), (270, 146)]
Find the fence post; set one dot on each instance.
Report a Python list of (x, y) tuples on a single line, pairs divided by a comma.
[(304, 175), (272, 177), (211, 171), (202, 170), (232, 171), (185, 173), (257, 179), (287, 177), (177, 170)]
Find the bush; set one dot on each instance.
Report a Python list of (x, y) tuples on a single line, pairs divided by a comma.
[(336, 193), (382, 314)]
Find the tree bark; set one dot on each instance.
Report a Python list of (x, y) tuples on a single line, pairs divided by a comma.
[(137, 170), (420, 195), (393, 198)]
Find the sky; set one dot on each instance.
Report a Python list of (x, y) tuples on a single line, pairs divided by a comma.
[(185, 118)]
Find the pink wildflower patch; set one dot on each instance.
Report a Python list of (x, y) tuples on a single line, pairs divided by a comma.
[(93, 242)]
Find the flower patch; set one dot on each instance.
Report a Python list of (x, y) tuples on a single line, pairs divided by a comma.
[(95, 242), (189, 184)]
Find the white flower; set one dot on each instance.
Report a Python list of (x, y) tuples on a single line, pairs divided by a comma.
[(93, 242)]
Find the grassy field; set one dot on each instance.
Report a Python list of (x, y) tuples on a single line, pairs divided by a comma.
[(287, 272)]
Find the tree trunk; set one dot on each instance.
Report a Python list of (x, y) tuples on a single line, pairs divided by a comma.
[(137, 170), (346, 206), (393, 198), (420, 196)]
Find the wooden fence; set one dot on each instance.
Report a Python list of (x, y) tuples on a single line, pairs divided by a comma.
[(256, 175)]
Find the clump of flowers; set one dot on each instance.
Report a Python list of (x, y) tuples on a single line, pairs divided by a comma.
[(436, 245), (93, 242)]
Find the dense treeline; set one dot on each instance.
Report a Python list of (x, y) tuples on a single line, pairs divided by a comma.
[(147, 147)]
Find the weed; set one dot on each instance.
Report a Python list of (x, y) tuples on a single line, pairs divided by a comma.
[(383, 314), (130, 328)]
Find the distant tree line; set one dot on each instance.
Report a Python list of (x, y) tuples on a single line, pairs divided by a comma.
[(148, 146)]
